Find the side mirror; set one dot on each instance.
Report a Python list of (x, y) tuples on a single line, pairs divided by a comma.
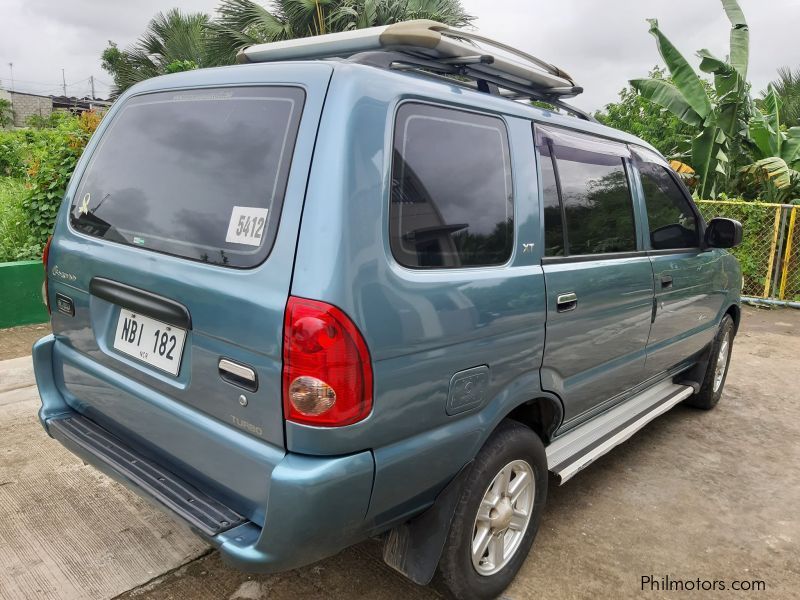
[(723, 233)]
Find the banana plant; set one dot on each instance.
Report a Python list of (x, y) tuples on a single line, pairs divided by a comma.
[(720, 114), (776, 152)]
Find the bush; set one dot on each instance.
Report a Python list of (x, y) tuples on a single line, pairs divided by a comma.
[(14, 231), (50, 164)]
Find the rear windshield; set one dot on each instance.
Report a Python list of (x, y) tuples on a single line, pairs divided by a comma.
[(198, 174)]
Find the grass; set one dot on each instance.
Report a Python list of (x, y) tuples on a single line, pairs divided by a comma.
[(14, 231)]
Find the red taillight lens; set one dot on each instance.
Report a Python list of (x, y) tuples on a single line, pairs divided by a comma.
[(45, 258), (327, 373)]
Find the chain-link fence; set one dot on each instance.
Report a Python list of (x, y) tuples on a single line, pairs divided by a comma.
[(770, 249)]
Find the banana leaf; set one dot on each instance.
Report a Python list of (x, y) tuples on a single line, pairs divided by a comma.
[(683, 75), (740, 36), (668, 96)]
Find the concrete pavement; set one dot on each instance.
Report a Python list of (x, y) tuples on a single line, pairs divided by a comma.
[(695, 495)]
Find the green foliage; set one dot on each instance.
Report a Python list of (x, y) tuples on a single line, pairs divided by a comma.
[(721, 117), (648, 120), (177, 66), (6, 113), (242, 23), (775, 151), (787, 88), (173, 41), (39, 162), (14, 230), (176, 41)]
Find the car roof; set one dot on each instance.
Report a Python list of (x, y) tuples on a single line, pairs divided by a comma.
[(417, 83)]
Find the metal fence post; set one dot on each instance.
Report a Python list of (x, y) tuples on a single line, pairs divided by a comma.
[(773, 247), (787, 254)]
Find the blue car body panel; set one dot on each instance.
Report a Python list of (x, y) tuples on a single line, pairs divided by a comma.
[(311, 491)]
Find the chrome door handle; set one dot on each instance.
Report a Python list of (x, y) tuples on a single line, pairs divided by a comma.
[(238, 374), (666, 281), (566, 302)]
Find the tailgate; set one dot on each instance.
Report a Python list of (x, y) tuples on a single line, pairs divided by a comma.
[(173, 255)]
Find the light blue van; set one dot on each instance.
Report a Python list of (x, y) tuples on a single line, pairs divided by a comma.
[(339, 293)]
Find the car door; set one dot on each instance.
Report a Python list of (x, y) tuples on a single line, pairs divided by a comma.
[(599, 284), (688, 290)]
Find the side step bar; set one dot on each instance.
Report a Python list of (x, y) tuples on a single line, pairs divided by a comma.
[(198, 508), (578, 448)]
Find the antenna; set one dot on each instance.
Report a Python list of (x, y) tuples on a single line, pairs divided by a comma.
[(11, 68), (64, 82)]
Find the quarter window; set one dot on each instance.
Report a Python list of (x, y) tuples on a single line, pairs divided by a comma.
[(451, 200), (553, 225), (671, 220)]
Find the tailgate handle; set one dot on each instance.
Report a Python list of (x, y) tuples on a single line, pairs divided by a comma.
[(148, 303), (238, 374)]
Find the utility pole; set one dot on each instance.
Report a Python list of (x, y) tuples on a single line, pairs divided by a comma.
[(91, 81), (11, 67), (64, 82)]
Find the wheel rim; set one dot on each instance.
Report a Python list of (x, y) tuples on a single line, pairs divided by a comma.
[(503, 516), (722, 362)]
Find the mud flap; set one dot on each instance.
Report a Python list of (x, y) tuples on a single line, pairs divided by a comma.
[(415, 547)]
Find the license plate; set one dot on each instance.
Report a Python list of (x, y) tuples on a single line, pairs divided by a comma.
[(150, 341)]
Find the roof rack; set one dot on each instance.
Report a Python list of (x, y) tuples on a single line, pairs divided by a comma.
[(436, 50)]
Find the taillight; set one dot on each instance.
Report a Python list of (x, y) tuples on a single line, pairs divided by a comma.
[(327, 373), (45, 258)]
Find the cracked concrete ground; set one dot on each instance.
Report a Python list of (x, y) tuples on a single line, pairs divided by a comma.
[(708, 495)]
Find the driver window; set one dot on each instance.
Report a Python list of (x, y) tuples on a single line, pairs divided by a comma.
[(671, 219)]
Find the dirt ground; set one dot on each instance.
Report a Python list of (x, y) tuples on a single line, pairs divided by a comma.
[(695, 495), (17, 341)]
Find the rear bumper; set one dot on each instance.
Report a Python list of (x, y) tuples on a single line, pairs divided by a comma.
[(315, 506)]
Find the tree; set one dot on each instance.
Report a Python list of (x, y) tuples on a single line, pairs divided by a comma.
[(787, 88), (6, 113), (242, 23), (776, 152), (721, 117), (174, 41), (637, 115)]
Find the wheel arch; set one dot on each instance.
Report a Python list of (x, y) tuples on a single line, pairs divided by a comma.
[(735, 311), (543, 414)]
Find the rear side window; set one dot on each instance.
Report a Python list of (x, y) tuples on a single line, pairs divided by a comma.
[(194, 173), (451, 201), (671, 220), (594, 195)]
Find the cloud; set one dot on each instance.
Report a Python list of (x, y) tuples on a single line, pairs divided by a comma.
[(602, 44)]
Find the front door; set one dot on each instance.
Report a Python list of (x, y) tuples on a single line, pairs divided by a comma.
[(688, 293), (599, 284)]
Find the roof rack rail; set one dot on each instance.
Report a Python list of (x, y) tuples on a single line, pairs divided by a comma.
[(434, 49)]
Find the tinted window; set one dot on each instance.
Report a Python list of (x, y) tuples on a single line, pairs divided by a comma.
[(553, 225), (198, 173), (451, 202), (597, 201), (671, 220)]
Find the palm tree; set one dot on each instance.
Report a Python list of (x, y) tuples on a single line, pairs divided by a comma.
[(173, 41), (787, 88), (244, 22)]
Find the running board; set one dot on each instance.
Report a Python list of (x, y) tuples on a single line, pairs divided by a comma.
[(578, 448)]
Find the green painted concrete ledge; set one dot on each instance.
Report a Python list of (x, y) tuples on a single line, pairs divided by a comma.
[(21, 293)]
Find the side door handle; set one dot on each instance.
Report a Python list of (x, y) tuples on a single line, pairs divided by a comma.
[(566, 302), (666, 281)]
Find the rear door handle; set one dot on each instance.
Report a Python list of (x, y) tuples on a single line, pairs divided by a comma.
[(666, 281), (566, 302)]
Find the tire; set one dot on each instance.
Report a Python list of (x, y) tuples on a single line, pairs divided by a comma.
[(717, 371), (518, 452)]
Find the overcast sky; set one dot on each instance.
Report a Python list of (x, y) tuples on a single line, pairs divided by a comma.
[(601, 44)]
